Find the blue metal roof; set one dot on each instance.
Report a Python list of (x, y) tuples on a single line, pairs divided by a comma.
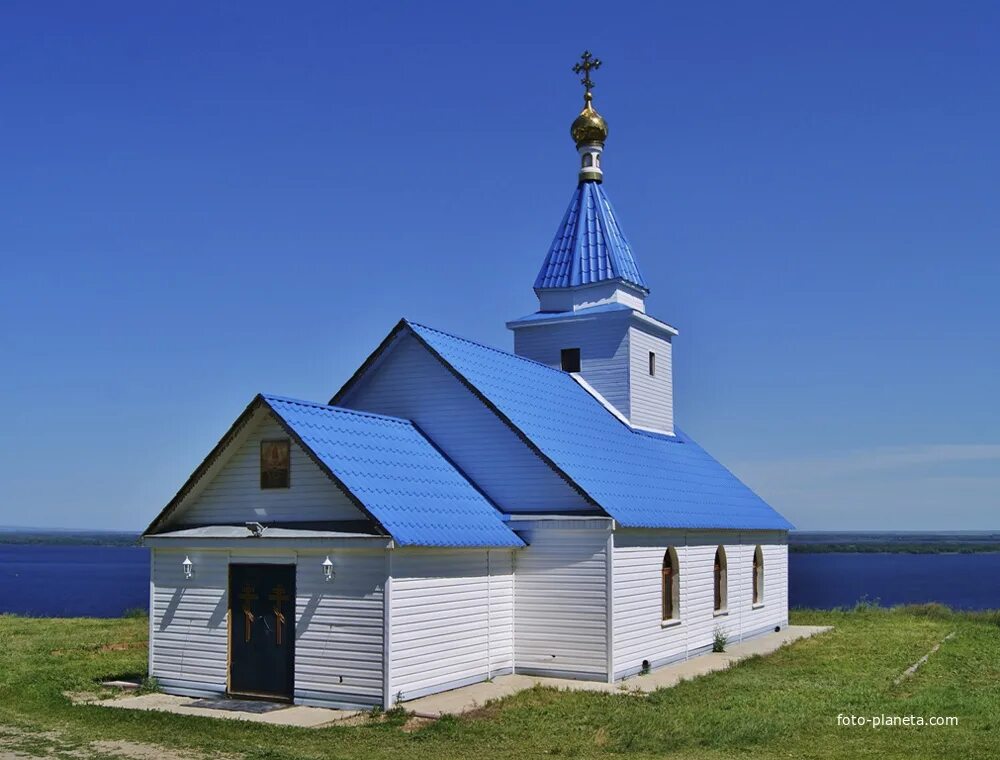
[(643, 480), (397, 474), (589, 246)]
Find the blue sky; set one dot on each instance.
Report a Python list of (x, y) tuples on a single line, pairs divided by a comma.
[(206, 200)]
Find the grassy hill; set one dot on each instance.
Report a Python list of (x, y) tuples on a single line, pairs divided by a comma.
[(783, 705)]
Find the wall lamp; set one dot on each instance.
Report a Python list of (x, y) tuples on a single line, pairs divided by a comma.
[(188, 566), (327, 569)]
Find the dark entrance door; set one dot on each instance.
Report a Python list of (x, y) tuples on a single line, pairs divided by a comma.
[(262, 630)]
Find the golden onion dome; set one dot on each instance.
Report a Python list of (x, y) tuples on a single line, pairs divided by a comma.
[(589, 126)]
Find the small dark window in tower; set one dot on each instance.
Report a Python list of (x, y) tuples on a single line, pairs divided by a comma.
[(570, 358), (588, 160), (652, 364), (275, 464)]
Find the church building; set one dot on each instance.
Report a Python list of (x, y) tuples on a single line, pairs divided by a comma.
[(457, 511)]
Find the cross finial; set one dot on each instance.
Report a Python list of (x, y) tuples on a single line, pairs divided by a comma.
[(587, 64)]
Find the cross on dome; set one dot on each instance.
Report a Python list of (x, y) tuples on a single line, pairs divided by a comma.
[(589, 130), (590, 260), (586, 65)]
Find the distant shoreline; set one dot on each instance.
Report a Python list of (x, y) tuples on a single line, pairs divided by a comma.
[(893, 548), (800, 542), (894, 542), (28, 536)]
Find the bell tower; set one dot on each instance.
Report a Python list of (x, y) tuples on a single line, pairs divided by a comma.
[(591, 319)]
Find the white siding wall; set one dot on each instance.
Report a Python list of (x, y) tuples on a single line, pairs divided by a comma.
[(338, 626), (189, 626), (231, 493), (652, 397), (411, 383), (560, 598), (501, 611), (604, 352), (614, 360), (338, 633), (638, 630), (452, 619), (774, 610)]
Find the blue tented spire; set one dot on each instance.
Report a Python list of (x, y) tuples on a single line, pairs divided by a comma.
[(589, 246)]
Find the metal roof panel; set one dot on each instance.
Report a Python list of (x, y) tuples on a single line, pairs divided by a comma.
[(643, 480), (399, 476), (589, 246)]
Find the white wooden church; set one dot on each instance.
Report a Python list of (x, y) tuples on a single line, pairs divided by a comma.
[(457, 512)]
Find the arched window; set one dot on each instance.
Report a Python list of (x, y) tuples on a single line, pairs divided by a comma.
[(758, 576), (669, 586), (720, 580)]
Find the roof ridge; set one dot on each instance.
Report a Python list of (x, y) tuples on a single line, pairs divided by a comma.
[(483, 345), (615, 242), (628, 426), (338, 409)]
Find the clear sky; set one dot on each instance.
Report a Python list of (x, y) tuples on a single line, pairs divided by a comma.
[(201, 201)]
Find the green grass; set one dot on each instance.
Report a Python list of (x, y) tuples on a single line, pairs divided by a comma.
[(783, 705)]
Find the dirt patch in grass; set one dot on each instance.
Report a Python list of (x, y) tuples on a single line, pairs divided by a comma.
[(488, 711), (116, 646), (18, 742), (140, 751), (122, 646), (415, 723), (83, 697), (601, 737)]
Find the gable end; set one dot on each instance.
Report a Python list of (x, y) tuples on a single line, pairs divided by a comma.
[(403, 328), (222, 455)]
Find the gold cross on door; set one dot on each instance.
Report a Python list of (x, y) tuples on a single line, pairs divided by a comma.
[(248, 597), (279, 596)]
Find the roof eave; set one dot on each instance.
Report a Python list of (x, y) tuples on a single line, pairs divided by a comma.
[(560, 317), (655, 323), (639, 288), (705, 527)]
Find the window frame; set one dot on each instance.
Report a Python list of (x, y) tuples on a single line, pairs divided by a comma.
[(266, 486), (565, 353), (720, 582), (758, 577), (670, 597), (652, 364)]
